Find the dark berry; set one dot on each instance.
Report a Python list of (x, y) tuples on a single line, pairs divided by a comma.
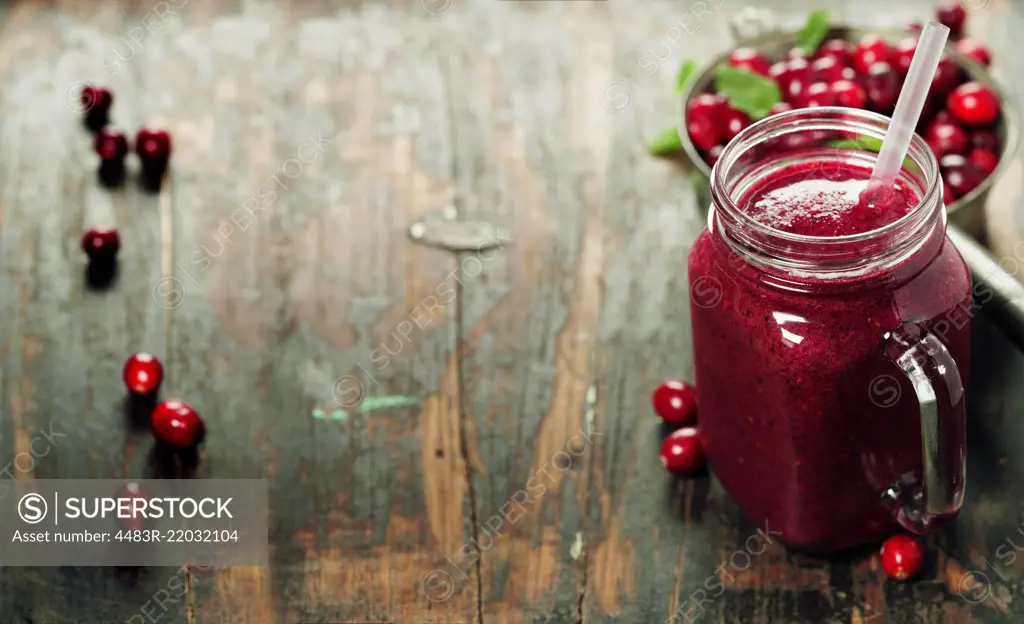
[(176, 424), (682, 453), (871, 49), (675, 402), (962, 175), (101, 243), (733, 122), (142, 373), (849, 94), (827, 69), (839, 49), (953, 17), (947, 75), (817, 94), (902, 557), (974, 104), (883, 88), (750, 60), (796, 79), (985, 140), (984, 160), (153, 148), (702, 132), (975, 50), (96, 100), (902, 54), (946, 138), (110, 144)]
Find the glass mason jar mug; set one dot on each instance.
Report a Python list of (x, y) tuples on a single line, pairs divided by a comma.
[(831, 368)]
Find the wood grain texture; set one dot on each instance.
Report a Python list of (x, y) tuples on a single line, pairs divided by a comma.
[(515, 477)]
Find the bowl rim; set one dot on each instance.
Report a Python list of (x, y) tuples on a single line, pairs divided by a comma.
[(975, 70)]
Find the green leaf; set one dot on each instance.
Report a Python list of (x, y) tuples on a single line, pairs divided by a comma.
[(814, 31), (666, 143), (751, 93), (870, 143), (687, 69)]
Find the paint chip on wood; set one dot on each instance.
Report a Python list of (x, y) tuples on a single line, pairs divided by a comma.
[(577, 547), (459, 235)]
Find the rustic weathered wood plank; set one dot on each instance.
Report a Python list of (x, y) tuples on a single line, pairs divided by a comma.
[(65, 344), (296, 276)]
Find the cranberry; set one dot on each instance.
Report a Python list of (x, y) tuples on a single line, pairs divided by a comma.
[(985, 140), (702, 132), (902, 557), (827, 69), (175, 423), (153, 148), (871, 49), (110, 144), (682, 453), (902, 54), (796, 52), (778, 71), (675, 402), (974, 104), (849, 94), (132, 491), (947, 75), (798, 76), (96, 100), (984, 160), (733, 122), (947, 194), (953, 17), (750, 60), (713, 154), (817, 94), (143, 373), (101, 243), (839, 49), (962, 175), (706, 105), (883, 88), (780, 107), (974, 49), (946, 138)]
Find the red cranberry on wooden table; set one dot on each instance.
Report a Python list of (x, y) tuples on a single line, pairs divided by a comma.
[(142, 373), (682, 453), (176, 424), (101, 243), (675, 402), (902, 557)]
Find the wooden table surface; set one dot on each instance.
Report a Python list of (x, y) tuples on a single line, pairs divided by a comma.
[(449, 436)]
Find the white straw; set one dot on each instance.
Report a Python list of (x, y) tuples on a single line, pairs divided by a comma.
[(911, 101)]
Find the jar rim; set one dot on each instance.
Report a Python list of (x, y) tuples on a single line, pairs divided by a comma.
[(868, 123)]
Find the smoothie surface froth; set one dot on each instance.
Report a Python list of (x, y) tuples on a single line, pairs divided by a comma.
[(824, 199)]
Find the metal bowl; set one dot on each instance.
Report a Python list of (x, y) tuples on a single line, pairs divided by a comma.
[(968, 212)]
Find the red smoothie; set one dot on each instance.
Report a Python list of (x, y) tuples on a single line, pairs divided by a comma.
[(804, 420)]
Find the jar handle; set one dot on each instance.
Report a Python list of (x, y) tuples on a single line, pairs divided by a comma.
[(933, 373)]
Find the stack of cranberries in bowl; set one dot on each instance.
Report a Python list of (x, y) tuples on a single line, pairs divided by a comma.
[(960, 120)]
